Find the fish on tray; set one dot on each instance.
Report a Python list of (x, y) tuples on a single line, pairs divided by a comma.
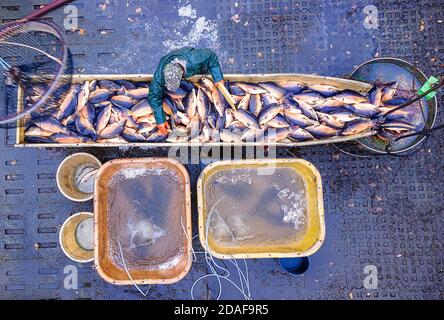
[(118, 111)]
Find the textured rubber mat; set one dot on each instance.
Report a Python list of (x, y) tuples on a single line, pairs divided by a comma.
[(380, 211)]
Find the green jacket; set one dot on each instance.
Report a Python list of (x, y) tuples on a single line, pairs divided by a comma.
[(199, 61)]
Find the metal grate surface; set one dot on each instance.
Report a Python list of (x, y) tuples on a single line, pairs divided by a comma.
[(380, 211)]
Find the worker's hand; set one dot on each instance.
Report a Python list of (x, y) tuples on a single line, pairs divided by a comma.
[(163, 128), (220, 83)]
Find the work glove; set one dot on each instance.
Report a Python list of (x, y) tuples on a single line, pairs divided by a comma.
[(163, 128)]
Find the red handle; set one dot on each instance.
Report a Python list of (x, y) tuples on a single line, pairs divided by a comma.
[(49, 7)]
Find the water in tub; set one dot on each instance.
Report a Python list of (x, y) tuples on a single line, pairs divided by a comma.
[(144, 206), (256, 207)]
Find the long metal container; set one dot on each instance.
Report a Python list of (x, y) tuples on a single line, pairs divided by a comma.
[(340, 83)]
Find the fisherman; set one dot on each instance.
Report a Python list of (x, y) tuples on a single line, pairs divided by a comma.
[(172, 68)]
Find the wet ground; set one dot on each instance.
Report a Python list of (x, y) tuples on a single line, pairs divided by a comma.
[(380, 211)]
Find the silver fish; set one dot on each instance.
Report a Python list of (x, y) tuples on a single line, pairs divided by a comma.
[(300, 134), (112, 130), (291, 105), (375, 97), (212, 120), (235, 90), (35, 139), (236, 125), (357, 126), (345, 115), (93, 85), (277, 135), (131, 122), (126, 84), (237, 99), (220, 122), (99, 95), (363, 109), (103, 118), (64, 138), (278, 122), (329, 105), (299, 119), (123, 101), (82, 97), (147, 128), (208, 93), (274, 89), (101, 104), (179, 105), (88, 112), (321, 131), (219, 101), (397, 114), (156, 137), (183, 118), (294, 87), (85, 127), (388, 92), (181, 131), (330, 121), (307, 109), (229, 118), (142, 108), (172, 138), (108, 84), (325, 90), (255, 106), (206, 83), (116, 140), (395, 102), (246, 118), (51, 125), (149, 119), (230, 136), (138, 94), (268, 100), (244, 104), (132, 135), (202, 104), (269, 113), (252, 135), (251, 88), (168, 106), (190, 104), (68, 105), (207, 133), (308, 97), (69, 121), (350, 97), (194, 126), (37, 132)]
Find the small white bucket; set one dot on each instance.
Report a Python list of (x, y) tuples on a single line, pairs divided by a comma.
[(76, 237), (77, 167)]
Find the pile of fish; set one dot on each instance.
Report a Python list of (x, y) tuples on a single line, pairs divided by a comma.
[(118, 111)]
